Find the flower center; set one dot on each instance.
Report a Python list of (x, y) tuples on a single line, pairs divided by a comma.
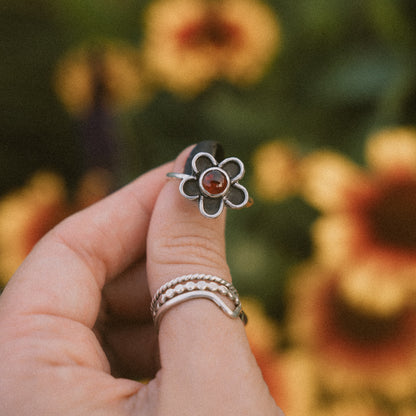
[(211, 30), (214, 182), (361, 328), (392, 217)]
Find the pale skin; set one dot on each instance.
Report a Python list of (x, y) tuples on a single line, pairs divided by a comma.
[(75, 327)]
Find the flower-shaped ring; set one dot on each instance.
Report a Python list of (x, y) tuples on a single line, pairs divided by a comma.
[(214, 184)]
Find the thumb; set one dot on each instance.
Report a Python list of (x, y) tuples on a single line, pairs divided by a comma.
[(199, 344), (180, 240)]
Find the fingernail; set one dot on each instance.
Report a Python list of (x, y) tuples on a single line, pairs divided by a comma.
[(208, 146)]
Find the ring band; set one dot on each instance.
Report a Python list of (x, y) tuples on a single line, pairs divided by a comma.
[(196, 286), (213, 184), (177, 175)]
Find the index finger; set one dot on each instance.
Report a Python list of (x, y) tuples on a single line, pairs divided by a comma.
[(66, 270)]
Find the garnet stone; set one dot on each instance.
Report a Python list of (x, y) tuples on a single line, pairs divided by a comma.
[(214, 182)]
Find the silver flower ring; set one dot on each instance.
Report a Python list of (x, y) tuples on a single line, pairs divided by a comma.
[(214, 184)]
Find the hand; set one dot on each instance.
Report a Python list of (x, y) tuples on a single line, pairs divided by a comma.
[(75, 328)]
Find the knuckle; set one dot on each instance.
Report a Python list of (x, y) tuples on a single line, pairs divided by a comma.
[(202, 249)]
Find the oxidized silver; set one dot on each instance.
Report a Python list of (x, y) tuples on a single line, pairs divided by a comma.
[(215, 185)]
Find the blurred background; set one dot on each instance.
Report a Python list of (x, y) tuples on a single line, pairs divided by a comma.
[(318, 98)]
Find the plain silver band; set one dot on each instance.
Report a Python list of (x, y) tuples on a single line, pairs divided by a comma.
[(177, 175), (159, 306), (199, 294)]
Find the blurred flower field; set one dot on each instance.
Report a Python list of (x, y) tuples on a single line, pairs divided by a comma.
[(318, 98)]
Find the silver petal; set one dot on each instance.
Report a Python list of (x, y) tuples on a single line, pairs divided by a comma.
[(189, 188), (234, 167), (237, 196), (202, 161), (211, 207)]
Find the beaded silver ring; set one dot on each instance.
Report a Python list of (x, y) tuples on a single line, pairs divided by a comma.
[(196, 286)]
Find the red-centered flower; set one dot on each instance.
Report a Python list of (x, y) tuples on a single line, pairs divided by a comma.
[(369, 221), (27, 214), (354, 350), (189, 43)]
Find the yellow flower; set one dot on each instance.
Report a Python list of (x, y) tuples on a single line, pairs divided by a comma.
[(189, 43), (370, 288), (289, 376), (369, 221), (353, 408), (326, 179), (407, 411), (392, 150), (299, 388), (27, 214), (262, 332), (109, 70), (355, 350), (275, 165)]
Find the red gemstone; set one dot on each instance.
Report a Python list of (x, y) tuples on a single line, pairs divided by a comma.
[(214, 182)]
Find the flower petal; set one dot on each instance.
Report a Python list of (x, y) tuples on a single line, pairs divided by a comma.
[(211, 207), (203, 161), (234, 167), (237, 196), (335, 239), (351, 349), (325, 179), (393, 150), (365, 279), (275, 166), (189, 188), (190, 43)]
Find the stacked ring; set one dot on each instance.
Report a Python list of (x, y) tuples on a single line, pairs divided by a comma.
[(196, 286)]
